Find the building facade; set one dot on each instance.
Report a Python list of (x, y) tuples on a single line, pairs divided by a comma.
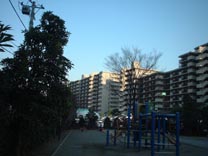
[(190, 78), (131, 89), (194, 66), (105, 91), (97, 91)]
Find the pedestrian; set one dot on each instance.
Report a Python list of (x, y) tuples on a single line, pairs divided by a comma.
[(107, 123), (81, 123), (116, 123)]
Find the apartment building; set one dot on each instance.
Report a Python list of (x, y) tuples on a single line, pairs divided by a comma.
[(165, 90), (194, 66), (97, 91), (75, 88), (105, 91), (153, 90), (132, 85), (191, 78)]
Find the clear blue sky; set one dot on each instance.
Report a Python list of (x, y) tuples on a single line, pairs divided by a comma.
[(101, 27)]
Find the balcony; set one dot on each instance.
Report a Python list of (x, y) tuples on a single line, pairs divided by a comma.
[(159, 77), (199, 86), (201, 77), (191, 57), (202, 56), (183, 65), (158, 88), (200, 93), (201, 71), (202, 63), (191, 90), (159, 82), (190, 70), (183, 60), (174, 81), (174, 93), (158, 99), (183, 72), (191, 64), (191, 77), (200, 100), (205, 84), (191, 84)]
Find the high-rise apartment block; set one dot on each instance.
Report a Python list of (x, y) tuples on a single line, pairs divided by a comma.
[(105, 91), (97, 91), (194, 66), (131, 81)]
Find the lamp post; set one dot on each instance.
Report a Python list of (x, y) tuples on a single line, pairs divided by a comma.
[(163, 95)]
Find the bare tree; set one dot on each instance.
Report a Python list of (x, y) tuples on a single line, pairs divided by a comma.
[(137, 64), (117, 62)]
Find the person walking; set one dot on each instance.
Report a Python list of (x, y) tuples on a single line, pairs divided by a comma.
[(81, 123)]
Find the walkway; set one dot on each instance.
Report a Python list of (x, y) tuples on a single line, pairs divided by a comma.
[(92, 143)]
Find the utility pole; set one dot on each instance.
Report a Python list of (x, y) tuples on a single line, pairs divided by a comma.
[(30, 11)]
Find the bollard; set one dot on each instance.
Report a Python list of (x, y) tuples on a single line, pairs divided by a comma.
[(163, 129), (140, 132), (177, 133), (158, 133), (114, 140), (128, 127), (107, 137), (153, 134)]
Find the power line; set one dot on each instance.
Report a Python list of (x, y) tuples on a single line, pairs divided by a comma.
[(17, 14), (14, 44), (7, 50)]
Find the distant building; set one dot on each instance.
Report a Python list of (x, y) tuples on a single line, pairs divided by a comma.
[(97, 91), (105, 91)]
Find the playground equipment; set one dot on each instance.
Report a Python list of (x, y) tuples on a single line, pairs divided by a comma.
[(152, 131), (157, 130)]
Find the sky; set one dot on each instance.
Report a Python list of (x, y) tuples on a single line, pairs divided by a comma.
[(100, 28)]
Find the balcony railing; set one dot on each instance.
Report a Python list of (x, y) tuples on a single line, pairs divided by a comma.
[(191, 64), (202, 63), (202, 56), (201, 77), (191, 57)]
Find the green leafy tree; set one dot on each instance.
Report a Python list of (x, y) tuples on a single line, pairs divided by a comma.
[(36, 92), (5, 37)]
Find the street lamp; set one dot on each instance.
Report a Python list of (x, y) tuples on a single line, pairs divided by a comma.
[(163, 95)]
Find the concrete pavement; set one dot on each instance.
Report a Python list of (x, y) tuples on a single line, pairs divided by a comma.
[(92, 143), (201, 142)]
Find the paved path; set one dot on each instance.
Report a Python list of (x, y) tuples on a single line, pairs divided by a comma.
[(92, 143), (201, 142)]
